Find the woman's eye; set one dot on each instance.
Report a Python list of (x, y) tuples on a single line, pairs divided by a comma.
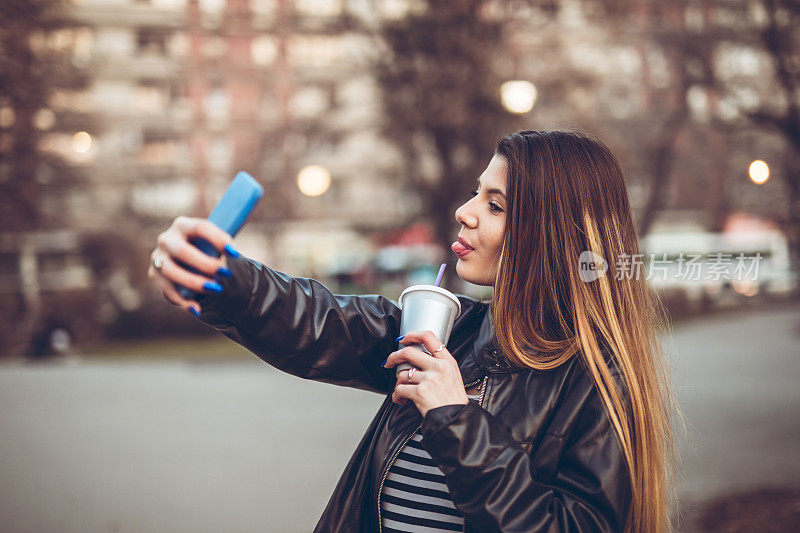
[(493, 207)]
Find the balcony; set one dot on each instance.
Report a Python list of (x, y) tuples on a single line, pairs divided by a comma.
[(127, 16)]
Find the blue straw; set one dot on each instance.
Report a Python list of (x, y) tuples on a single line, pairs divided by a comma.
[(441, 273)]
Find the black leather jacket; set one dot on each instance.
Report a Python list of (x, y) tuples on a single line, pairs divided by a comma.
[(538, 454)]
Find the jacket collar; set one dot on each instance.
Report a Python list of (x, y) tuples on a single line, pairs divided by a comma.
[(485, 356)]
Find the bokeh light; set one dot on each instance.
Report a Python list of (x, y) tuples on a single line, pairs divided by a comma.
[(313, 180), (7, 117), (44, 119), (518, 96), (745, 287), (759, 171), (81, 142)]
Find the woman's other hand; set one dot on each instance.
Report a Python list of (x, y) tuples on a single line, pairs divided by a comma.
[(437, 380), (173, 245)]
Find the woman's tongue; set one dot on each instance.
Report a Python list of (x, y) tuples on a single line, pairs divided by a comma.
[(459, 248)]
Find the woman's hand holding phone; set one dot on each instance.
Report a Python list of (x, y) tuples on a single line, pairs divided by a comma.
[(174, 250)]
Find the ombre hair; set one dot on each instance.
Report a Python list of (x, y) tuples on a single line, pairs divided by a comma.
[(566, 195)]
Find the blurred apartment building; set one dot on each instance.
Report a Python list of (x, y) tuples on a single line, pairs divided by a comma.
[(185, 93)]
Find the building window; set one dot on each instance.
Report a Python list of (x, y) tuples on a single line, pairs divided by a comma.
[(150, 42)]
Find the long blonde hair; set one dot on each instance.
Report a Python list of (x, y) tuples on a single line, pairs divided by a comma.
[(567, 195)]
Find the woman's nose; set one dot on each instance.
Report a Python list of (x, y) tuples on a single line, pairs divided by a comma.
[(463, 217)]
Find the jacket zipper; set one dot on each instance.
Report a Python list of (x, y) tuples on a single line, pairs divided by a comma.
[(480, 402), (397, 451)]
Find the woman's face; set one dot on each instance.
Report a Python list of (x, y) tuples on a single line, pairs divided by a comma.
[(483, 220)]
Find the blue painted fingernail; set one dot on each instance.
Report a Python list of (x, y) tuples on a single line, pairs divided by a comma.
[(231, 251), (399, 338), (224, 272), (384, 363), (194, 312), (212, 286)]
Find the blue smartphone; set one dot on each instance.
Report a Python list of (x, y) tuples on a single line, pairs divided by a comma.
[(229, 215)]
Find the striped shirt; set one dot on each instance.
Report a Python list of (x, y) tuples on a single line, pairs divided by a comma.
[(414, 495)]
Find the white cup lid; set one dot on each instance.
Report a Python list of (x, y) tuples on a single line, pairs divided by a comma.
[(433, 288)]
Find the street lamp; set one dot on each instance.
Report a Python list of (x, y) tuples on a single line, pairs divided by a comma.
[(313, 180), (81, 142), (759, 172), (518, 96)]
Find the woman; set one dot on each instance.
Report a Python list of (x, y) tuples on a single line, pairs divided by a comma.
[(570, 430)]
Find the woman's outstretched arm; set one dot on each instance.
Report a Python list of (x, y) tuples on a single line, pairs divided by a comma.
[(297, 325)]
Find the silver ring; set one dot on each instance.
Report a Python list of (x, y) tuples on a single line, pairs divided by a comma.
[(438, 349), (411, 372), (158, 262)]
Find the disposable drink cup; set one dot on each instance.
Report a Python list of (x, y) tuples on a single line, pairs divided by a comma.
[(427, 307)]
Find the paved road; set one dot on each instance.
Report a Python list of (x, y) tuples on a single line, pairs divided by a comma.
[(180, 446), (737, 380)]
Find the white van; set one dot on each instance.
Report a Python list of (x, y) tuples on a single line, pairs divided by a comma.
[(715, 264)]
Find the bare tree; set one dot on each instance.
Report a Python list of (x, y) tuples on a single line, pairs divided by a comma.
[(29, 73), (770, 29), (440, 95), (660, 30), (780, 38)]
